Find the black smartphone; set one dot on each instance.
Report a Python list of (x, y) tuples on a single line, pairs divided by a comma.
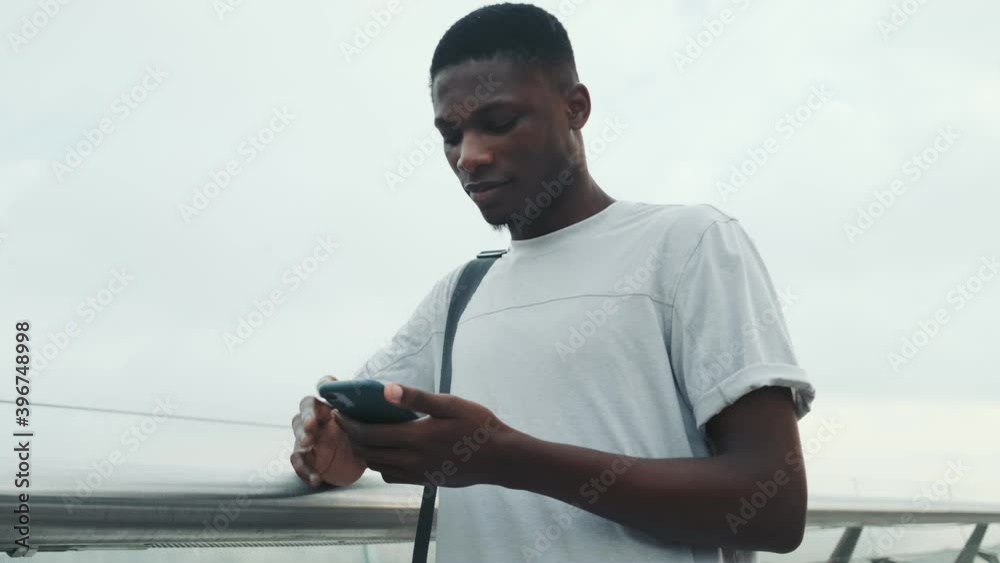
[(363, 400)]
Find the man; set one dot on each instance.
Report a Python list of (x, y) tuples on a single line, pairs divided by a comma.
[(624, 388)]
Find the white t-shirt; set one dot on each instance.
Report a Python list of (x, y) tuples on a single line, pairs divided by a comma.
[(625, 332)]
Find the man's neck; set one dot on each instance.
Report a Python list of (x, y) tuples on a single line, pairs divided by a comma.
[(585, 200)]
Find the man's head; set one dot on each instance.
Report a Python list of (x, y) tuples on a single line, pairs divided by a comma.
[(509, 106)]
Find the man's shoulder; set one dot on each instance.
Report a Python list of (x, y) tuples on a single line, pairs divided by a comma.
[(677, 229), (690, 217)]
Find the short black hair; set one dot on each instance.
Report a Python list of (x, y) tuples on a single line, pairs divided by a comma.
[(522, 33)]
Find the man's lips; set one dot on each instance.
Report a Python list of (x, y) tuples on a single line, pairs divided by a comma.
[(479, 187), (482, 192)]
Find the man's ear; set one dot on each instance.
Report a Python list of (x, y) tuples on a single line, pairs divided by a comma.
[(578, 106)]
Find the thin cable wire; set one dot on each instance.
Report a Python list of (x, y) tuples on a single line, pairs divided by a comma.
[(140, 413)]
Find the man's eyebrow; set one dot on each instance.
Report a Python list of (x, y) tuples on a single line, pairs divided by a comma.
[(442, 122)]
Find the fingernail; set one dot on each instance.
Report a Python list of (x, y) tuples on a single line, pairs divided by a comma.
[(395, 392), (313, 479), (307, 441)]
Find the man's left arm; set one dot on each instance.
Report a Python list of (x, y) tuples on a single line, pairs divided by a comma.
[(750, 495), (695, 501)]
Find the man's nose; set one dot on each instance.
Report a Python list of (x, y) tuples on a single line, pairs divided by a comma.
[(475, 153)]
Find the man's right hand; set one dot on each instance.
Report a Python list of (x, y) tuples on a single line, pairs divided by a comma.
[(323, 452)]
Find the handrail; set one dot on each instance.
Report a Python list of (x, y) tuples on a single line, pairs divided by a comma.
[(203, 510)]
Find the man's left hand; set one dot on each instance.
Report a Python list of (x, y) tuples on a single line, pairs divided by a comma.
[(460, 444)]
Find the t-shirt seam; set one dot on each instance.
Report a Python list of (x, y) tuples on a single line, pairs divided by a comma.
[(671, 304), (547, 301), (701, 238), (680, 277), (437, 332), (410, 355)]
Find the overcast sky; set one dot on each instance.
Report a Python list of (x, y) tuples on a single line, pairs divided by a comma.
[(899, 119)]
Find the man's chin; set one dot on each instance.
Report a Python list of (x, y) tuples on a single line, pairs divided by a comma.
[(497, 218)]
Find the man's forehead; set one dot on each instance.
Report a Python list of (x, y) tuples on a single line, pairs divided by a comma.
[(445, 114), (482, 81)]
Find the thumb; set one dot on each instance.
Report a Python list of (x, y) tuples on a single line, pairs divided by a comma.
[(435, 404)]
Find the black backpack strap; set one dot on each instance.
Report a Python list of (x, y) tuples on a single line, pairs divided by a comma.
[(468, 281)]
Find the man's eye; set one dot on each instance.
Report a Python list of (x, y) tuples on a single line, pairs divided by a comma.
[(502, 127), (451, 138)]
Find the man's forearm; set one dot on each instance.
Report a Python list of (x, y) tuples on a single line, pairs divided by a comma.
[(695, 501)]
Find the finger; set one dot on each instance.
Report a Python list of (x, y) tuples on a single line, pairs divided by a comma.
[(314, 414), (435, 404), (374, 435), (325, 379), (303, 470), (297, 429)]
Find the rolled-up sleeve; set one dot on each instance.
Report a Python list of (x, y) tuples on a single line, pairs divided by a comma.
[(728, 335)]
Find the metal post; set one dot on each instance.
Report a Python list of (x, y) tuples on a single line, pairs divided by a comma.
[(845, 547), (968, 554)]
